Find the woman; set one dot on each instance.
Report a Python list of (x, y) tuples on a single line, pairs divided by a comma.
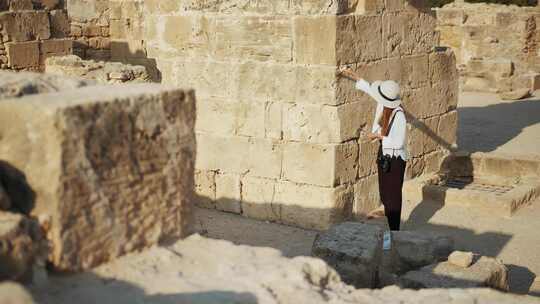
[(390, 128)]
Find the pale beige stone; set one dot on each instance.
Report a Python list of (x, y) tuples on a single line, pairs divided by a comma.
[(138, 194), (13, 293), (324, 165), (205, 189), (228, 192), (461, 258)]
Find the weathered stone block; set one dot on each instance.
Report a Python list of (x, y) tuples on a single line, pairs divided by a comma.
[(413, 250), (460, 258), (59, 23), (486, 272), (240, 155), (23, 54), (446, 16), (323, 165), (25, 25), (315, 39), (366, 196), (228, 193), (448, 127), (55, 47), (205, 189), (322, 124), (112, 168), (354, 45), (354, 250)]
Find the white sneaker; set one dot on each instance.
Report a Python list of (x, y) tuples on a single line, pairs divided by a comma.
[(387, 240)]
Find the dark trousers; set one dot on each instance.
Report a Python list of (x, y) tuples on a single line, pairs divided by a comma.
[(390, 190)]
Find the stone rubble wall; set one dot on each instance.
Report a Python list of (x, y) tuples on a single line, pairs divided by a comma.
[(89, 28), (32, 31), (111, 170), (496, 46), (103, 72), (278, 132)]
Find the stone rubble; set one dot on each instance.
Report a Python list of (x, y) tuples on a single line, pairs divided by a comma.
[(190, 271), (13, 293), (461, 259), (496, 46), (486, 272), (102, 72)]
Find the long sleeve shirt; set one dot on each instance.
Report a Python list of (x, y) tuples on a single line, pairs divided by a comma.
[(394, 144)]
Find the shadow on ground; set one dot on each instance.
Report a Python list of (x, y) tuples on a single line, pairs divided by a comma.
[(484, 129)]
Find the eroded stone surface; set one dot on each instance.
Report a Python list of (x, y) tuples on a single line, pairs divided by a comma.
[(102, 72), (113, 169), (24, 83), (354, 250), (486, 272), (190, 271), (460, 258)]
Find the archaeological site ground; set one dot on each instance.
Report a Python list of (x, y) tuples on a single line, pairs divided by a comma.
[(209, 151)]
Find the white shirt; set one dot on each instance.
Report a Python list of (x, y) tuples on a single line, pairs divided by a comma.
[(395, 143)]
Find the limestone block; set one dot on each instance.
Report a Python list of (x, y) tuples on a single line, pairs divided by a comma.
[(448, 127), (408, 33), (259, 38), (240, 155), (447, 16), (228, 193), (259, 199), (127, 156), (20, 240), (461, 258), (13, 293), (306, 206), (205, 189), (320, 164), (322, 124), (232, 118), (367, 159), (442, 66), (55, 47), (516, 94), (49, 4), (23, 54), (188, 35), (15, 5), (354, 250), (83, 10), (354, 45), (366, 196), (486, 272), (315, 39), (23, 26), (210, 78), (414, 71), (59, 23), (412, 249)]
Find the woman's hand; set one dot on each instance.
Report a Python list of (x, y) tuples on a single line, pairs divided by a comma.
[(347, 72), (374, 136)]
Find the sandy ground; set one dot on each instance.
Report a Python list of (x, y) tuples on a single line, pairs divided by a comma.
[(488, 124)]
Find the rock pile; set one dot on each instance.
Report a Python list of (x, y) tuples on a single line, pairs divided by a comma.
[(102, 72), (416, 260)]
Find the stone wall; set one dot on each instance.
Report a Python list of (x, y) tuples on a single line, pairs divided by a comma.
[(279, 134), (90, 21), (496, 45), (110, 169), (30, 32)]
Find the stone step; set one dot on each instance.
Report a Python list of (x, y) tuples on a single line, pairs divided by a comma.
[(497, 183)]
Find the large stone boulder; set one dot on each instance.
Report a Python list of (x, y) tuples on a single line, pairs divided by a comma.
[(414, 249), (486, 272), (12, 293), (20, 244), (112, 167), (354, 250)]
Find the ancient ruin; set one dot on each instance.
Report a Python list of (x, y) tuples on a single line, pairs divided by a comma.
[(496, 46), (102, 172)]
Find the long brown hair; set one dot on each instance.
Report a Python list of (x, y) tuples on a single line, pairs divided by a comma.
[(385, 121)]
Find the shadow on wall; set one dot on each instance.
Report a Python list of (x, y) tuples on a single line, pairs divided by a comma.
[(21, 195), (484, 129), (135, 55)]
